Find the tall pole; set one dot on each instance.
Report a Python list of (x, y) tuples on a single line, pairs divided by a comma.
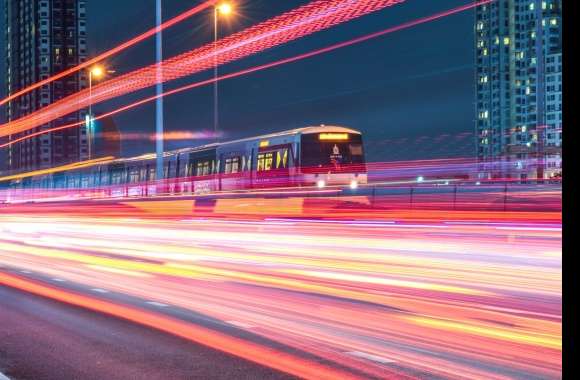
[(90, 119), (215, 75), (159, 90)]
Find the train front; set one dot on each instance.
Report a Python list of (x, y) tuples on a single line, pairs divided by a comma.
[(332, 156)]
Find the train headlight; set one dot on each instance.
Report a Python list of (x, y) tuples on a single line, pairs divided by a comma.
[(354, 184), (321, 183)]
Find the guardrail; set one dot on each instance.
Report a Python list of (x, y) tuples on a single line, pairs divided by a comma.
[(496, 197), (419, 196)]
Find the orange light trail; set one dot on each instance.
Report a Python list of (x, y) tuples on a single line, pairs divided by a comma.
[(258, 354), (58, 169)]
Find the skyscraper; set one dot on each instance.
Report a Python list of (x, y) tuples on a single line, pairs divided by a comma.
[(45, 37), (519, 88)]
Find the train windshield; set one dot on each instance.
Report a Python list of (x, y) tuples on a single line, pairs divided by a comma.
[(332, 150)]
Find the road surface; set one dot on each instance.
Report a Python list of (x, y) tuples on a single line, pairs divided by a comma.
[(45, 339), (317, 299)]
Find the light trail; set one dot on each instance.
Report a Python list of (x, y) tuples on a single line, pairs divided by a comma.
[(255, 353), (193, 11), (58, 169), (469, 300), (303, 21), (448, 185), (281, 62)]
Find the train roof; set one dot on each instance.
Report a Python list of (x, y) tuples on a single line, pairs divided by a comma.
[(291, 132), (150, 156), (304, 131)]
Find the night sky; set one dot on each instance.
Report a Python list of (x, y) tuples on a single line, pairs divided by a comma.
[(410, 93)]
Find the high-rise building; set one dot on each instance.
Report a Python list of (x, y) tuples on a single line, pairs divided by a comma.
[(519, 88), (45, 37)]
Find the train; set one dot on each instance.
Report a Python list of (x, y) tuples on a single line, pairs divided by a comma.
[(317, 156)]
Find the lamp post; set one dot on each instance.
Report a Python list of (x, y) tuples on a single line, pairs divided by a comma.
[(95, 72), (159, 148), (222, 9)]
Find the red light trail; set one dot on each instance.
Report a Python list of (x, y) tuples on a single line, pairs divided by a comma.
[(301, 22), (113, 51), (281, 62)]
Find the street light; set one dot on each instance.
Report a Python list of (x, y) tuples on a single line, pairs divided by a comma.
[(96, 72), (223, 9)]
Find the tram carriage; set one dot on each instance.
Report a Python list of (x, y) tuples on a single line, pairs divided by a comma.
[(313, 156)]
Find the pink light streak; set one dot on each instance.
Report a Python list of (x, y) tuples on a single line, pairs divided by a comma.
[(308, 19), (113, 51)]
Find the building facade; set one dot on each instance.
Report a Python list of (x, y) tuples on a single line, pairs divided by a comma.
[(518, 45), (43, 38)]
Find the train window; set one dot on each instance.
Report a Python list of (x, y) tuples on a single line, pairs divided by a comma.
[(71, 182), (265, 161), (232, 165), (117, 177), (282, 158), (143, 174), (167, 170), (356, 150), (203, 168), (316, 153), (134, 175), (182, 172)]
